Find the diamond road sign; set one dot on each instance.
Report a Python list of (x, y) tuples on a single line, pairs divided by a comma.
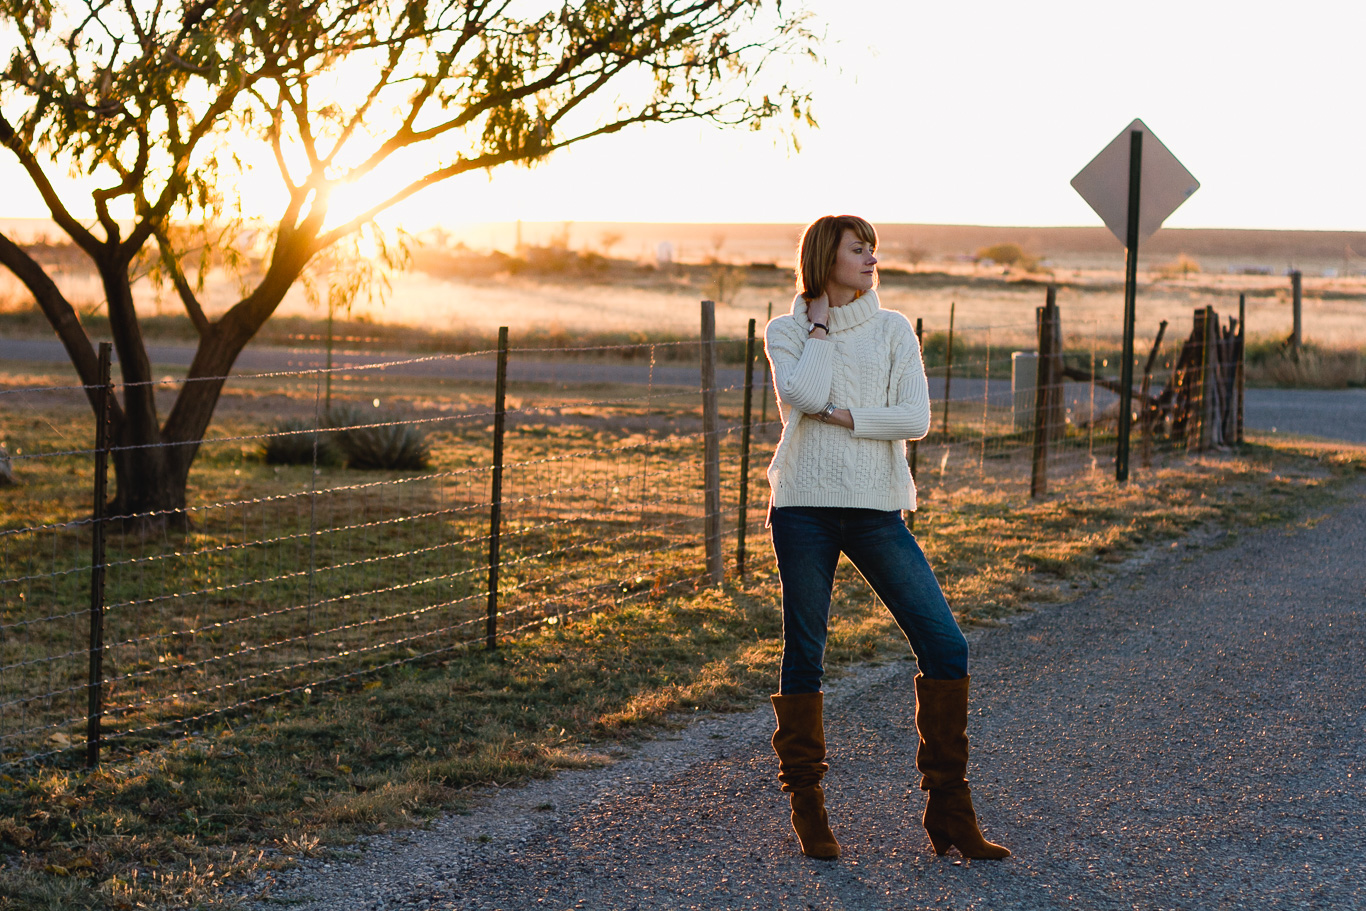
[(1165, 184)]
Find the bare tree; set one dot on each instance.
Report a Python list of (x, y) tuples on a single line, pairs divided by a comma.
[(161, 107)]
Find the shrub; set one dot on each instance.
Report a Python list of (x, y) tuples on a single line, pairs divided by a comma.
[(291, 443), (1008, 255), (393, 446), (1180, 267)]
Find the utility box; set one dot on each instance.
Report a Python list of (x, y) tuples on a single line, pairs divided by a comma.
[(1024, 375)]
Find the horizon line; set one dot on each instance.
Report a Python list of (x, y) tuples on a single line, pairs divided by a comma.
[(789, 224)]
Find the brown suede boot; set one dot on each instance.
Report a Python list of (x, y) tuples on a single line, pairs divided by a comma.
[(800, 745), (941, 717)]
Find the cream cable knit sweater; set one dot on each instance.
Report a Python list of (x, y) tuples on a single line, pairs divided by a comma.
[(870, 364)]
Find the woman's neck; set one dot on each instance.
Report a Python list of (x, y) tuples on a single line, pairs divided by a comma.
[(839, 296)]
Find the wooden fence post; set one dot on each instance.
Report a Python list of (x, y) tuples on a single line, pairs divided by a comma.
[(711, 451), (744, 454), (1297, 300), (496, 492), (1210, 385), (1196, 372), (95, 685), (1044, 391), (1241, 355)]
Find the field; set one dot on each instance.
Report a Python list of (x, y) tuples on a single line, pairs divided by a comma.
[(603, 278)]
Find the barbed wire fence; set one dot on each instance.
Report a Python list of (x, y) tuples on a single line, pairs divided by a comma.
[(346, 520)]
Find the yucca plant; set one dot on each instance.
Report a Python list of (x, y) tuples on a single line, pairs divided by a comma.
[(390, 446)]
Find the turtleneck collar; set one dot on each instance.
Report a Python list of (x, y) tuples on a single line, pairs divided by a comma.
[(850, 315)]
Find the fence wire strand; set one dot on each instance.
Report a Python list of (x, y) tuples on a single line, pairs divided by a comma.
[(297, 572)]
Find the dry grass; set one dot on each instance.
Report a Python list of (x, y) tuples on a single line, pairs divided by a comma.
[(1271, 363), (619, 634)]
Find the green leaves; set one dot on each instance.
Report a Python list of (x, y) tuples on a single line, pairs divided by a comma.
[(145, 98), (170, 111)]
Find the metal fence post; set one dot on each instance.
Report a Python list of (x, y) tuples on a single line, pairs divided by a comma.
[(1145, 421), (95, 687), (711, 451), (744, 454), (496, 492), (948, 371), (327, 397)]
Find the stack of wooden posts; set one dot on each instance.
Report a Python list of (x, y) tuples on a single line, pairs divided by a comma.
[(1201, 405)]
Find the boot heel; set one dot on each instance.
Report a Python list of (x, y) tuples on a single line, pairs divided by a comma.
[(941, 842)]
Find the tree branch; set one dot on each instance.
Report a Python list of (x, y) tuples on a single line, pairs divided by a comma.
[(395, 55), (300, 108), (60, 314), (192, 307), (171, 192), (74, 229)]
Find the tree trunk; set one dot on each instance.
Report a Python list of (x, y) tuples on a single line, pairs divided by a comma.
[(148, 491), (152, 477), (152, 462)]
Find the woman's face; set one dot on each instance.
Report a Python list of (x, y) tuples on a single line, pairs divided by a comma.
[(855, 266)]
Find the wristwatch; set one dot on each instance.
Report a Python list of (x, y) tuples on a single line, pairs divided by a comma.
[(828, 410)]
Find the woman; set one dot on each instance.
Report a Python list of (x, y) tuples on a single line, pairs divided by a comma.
[(851, 389)]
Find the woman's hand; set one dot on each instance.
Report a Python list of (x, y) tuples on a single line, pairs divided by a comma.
[(818, 311), (840, 416)]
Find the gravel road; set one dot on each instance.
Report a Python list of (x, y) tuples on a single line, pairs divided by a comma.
[(1192, 736)]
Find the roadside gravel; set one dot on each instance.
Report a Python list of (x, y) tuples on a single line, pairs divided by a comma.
[(1192, 736)]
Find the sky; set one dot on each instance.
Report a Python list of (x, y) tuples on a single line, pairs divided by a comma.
[(981, 113)]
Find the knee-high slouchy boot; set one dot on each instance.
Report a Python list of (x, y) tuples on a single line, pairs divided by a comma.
[(941, 717), (800, 745)]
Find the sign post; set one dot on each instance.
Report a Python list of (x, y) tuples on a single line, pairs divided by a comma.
[(1126, 369), (1133, 189)]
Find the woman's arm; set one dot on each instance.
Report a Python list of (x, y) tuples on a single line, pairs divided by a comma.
[(802, 367), (908, 417)]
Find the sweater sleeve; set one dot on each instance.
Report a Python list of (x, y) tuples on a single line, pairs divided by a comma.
[(908, 415), (803, 368)]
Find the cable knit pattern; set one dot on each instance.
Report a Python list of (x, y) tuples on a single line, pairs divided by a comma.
[(870, 364)]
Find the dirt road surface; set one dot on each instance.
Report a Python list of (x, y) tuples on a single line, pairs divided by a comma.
[(1191, 736)]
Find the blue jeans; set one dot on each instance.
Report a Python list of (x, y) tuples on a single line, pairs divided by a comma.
[(808, 541)]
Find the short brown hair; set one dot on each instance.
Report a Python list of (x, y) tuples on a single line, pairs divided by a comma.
[(819, 244)]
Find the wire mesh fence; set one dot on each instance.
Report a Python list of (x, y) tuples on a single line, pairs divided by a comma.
[(344, 520)]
